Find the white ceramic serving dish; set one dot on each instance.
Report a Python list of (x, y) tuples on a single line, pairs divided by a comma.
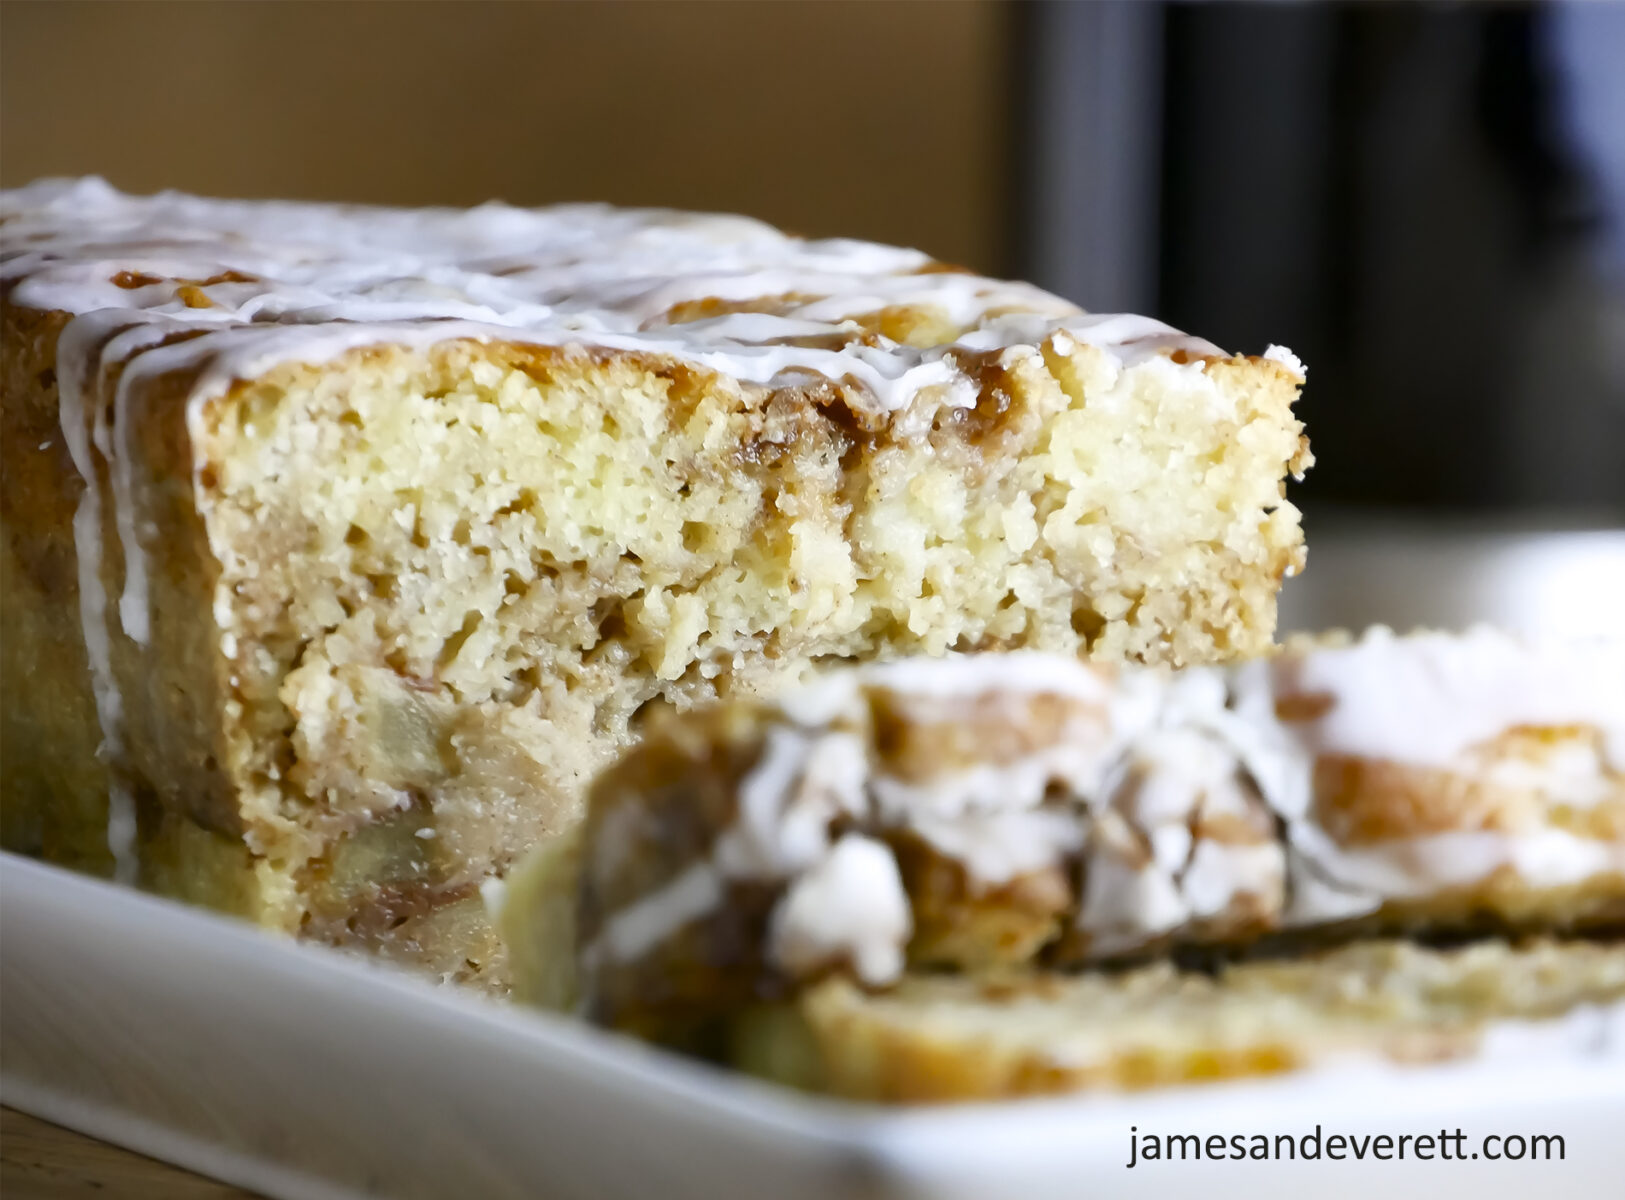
[(298, 1072), (1448, 575)]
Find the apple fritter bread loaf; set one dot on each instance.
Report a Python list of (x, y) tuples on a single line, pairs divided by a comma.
[(342, 545), (990, 812)]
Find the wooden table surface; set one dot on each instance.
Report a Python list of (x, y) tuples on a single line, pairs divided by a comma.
[(47, 1161)]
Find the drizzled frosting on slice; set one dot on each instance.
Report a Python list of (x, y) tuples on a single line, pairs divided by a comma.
[(1426, 700), (1189, 805)]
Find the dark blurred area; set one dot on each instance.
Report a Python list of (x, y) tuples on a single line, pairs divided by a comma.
[(1400, 193), (1425, 202)]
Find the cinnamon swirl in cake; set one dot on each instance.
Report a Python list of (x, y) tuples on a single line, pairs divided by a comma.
[(343, 545)]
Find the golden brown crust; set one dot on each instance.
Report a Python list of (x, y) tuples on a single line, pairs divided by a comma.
[(54, 797), (169, 689), (175, 687)]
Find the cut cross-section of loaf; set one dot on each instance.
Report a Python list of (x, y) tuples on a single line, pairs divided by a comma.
[(343, 545)]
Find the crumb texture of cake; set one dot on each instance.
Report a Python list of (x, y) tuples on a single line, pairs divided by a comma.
[(947, 1038), (1022, 809), (343, 545)]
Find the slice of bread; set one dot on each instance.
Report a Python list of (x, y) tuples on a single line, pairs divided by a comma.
[(982, 812), (942, 1038)]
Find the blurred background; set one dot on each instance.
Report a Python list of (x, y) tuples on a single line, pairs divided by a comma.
[(1427, 203)]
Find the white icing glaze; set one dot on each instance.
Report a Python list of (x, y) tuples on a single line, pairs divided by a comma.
[(571, 275), (1181, 772), (850, 906), (787, 801), (990, 787), (1277, 762), (1218, 874), (1409, 868), (1184, 756), (1428, 699), (494, 898), (642, 925), (87, 536), (1288, 360), (996, 848), (985, 816), (1125, 905), (1314, 899)]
